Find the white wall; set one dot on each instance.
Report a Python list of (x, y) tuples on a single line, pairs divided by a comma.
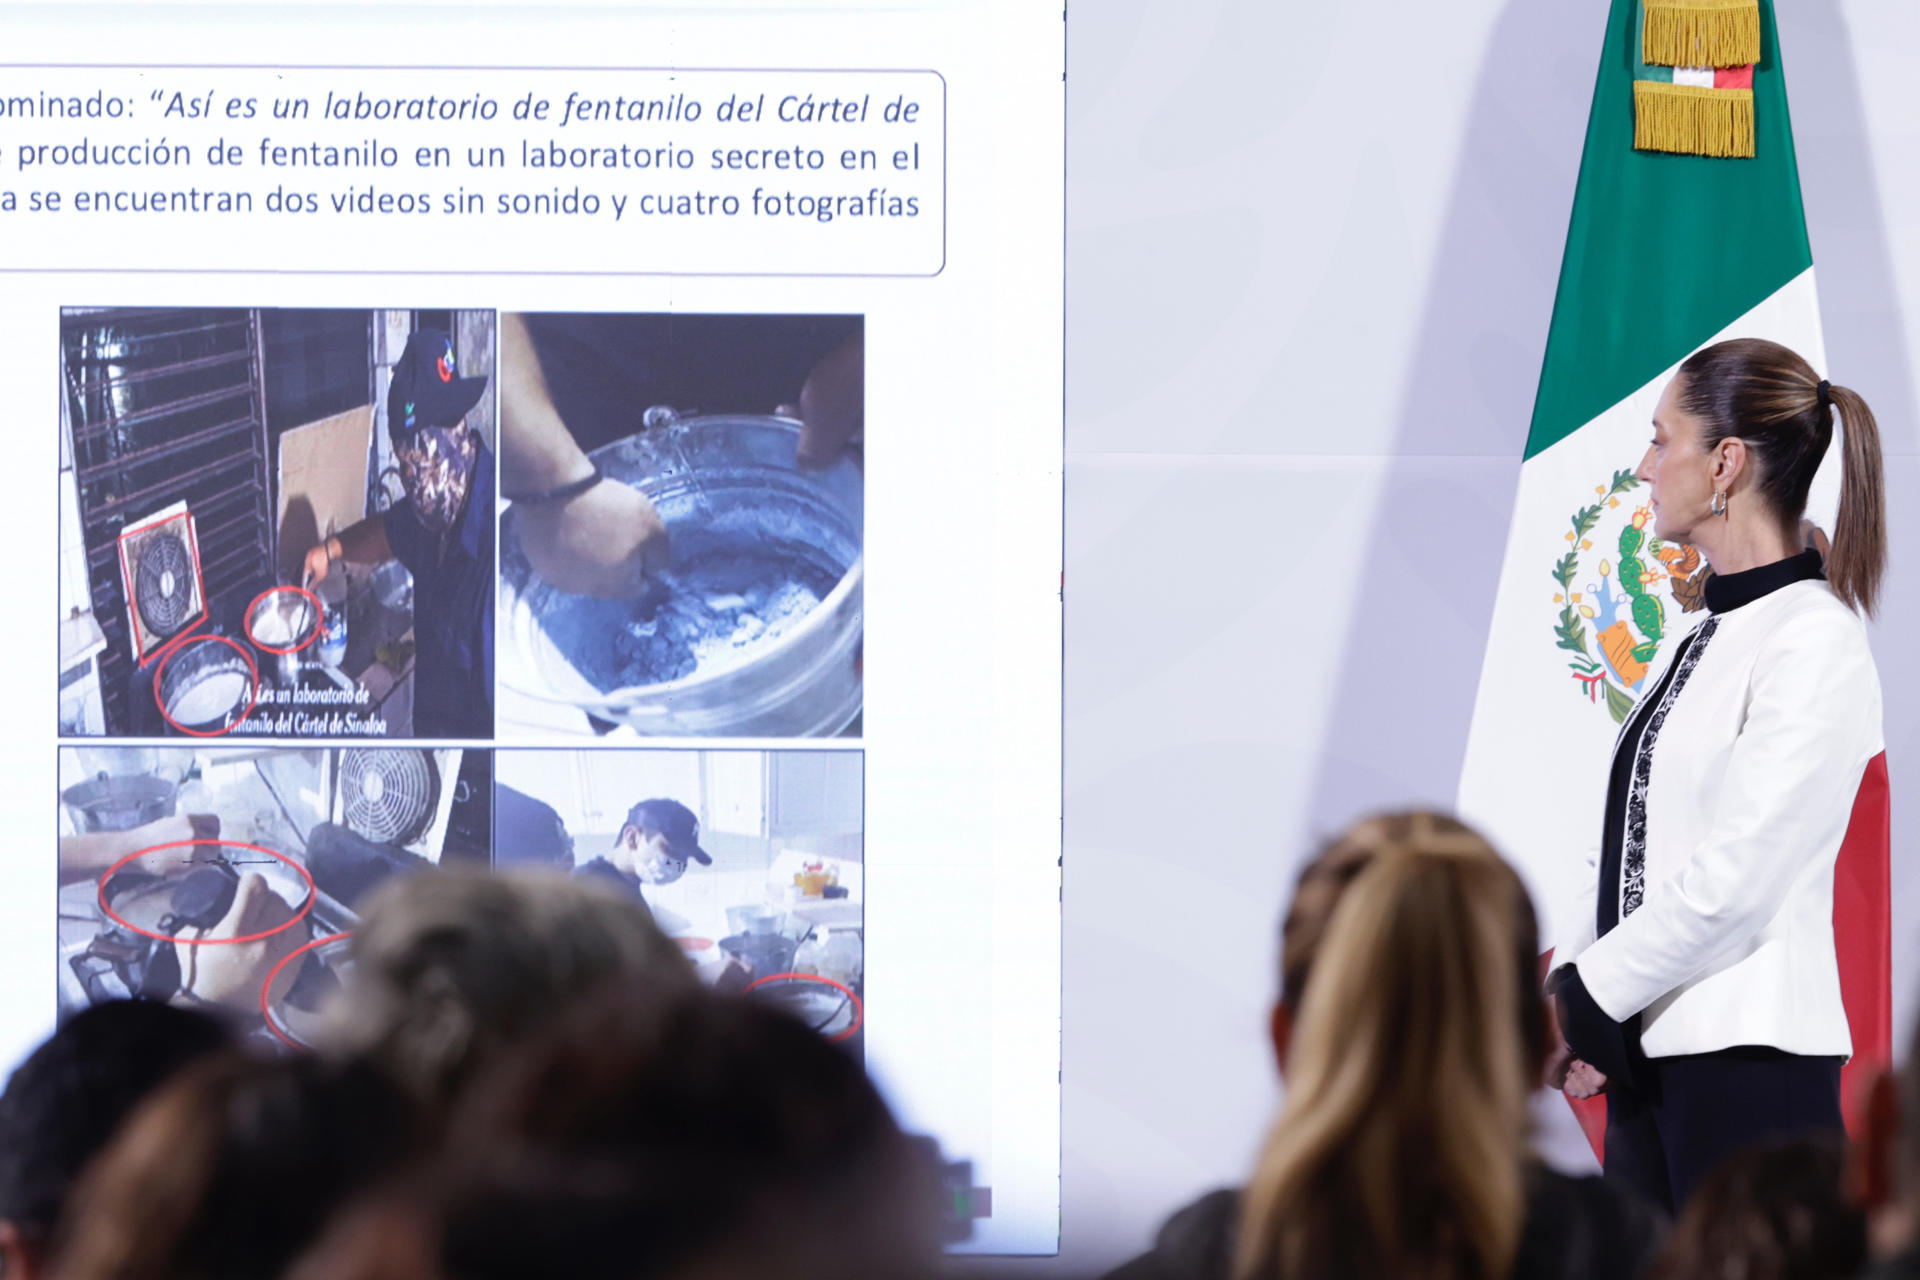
[(1311, 254), (753, 807), (776, 794)]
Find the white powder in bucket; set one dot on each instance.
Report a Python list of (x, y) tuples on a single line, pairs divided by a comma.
[(211, 698), (284, 622)]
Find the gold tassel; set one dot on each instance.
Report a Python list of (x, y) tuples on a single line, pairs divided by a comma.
[(1702, 33), (1692, 119)]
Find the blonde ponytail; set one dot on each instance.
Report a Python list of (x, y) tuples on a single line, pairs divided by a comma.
[(1402, 1147)]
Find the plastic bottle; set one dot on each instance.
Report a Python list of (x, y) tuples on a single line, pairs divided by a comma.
[(333, 624), (831, 954)]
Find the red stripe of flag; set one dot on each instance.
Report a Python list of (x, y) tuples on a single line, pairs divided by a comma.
[(1862, 939), (1863, 932)]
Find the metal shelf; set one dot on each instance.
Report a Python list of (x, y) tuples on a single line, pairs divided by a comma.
[(167, 405)]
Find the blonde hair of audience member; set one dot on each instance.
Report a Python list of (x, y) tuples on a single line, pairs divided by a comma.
[(1409, 1058), (452, 966)]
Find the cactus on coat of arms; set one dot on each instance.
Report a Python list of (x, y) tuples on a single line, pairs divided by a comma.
[(1628, 627), (1649, 615)]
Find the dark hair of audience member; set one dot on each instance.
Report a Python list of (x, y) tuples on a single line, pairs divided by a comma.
[(1402, 1145), (64, 1102), (453, 968), (231, 1169), (1906, 1124), (648, 1135), (1775, 1211)]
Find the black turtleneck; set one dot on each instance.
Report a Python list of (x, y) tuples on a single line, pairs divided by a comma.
[(1728, 591)]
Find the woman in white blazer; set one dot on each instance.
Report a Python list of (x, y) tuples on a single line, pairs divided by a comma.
[(1699, 986)]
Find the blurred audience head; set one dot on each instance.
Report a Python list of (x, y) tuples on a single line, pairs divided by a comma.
[(231, 1169), (652, 1136), (1776, 1211), (450, 968), (1885, 1158), (1316, 891), (64, 1102), (1413, 1033)]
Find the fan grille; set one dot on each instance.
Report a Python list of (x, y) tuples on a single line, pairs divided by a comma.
[(163, 582), (388, 794)]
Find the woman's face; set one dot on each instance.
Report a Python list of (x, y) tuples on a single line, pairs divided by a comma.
[(1677, 470)]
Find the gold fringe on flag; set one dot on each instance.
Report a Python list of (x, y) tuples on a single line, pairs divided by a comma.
[(1692, 119), (1702, 33)]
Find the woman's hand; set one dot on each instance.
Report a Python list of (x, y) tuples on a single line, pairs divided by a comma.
[(1566, 1070), (1584, 1080), (1572, 1076), (1559, 1063)]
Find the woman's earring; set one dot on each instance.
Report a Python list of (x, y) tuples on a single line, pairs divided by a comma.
[(1719, 505)]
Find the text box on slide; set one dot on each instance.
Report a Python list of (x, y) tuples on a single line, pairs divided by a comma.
[(469, 170)]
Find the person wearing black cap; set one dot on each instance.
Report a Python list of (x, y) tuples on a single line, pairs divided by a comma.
[(442, 533), (654, 847)]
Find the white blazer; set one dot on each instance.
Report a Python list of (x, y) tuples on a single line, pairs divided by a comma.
[(1753, 776)]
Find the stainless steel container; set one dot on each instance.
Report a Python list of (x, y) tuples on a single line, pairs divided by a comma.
[(106, 803), (283, 624), (206, 687), (716, 481)]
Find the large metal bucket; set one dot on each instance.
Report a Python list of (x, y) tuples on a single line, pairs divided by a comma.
[(717, 482)]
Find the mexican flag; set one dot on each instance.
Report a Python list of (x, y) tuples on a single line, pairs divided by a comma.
[(1667, 252)]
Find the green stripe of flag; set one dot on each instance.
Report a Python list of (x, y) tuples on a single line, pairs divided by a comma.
[(1663, 250)]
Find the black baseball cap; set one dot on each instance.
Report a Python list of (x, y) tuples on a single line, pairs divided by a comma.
[(675, 823), (426, 390)]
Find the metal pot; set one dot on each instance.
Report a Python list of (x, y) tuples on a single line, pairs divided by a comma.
[(751, 919), (205, 687), (725, 486), (283, 624), (106, 803), (826, 1009), (764, 954), (296, 1007)]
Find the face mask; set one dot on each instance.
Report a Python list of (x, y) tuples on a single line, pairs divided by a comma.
[(436, 465), (662, 868)]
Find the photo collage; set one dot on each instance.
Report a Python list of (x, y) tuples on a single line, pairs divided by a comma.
[(348, 596)]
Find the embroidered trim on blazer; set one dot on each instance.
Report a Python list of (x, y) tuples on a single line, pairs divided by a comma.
[(1633, 855)]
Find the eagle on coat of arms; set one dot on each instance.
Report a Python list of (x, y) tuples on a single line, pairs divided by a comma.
[(1613, 622)]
